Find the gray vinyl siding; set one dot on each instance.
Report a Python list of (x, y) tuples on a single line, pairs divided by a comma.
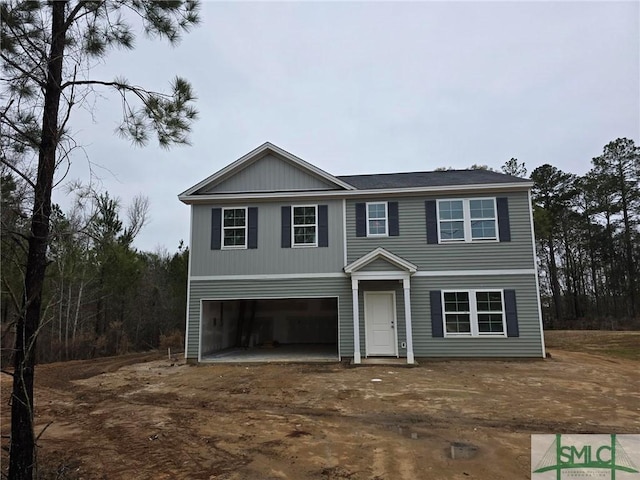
[(379, 265), (269, 257), (290, 288), (528, 344), (412, 245), (270, 174)]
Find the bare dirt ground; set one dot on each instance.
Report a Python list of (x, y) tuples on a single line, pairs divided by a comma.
[(144, 417)]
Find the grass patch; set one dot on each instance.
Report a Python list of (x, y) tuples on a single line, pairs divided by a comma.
[(628, 353), (611, 344)]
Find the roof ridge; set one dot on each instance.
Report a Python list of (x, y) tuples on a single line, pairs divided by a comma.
[(423, 171)]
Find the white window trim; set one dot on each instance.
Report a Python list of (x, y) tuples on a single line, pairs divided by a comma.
[(293, 227), (495, 220), (473, 316), (246, 230), (386, 219), (465, 216), (466, 219)]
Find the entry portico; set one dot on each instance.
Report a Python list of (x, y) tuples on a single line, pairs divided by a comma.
[(380, 265)]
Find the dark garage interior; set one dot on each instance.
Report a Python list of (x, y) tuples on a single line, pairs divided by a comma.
[(270, 329)]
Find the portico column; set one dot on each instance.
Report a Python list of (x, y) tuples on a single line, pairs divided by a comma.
[(356, 321), (406, 283)]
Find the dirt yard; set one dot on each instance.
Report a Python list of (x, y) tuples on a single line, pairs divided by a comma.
[(144, 417)]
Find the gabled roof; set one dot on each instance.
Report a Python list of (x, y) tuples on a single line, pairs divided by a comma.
[(255, 155), (429, 179), (344, 186), (380, 253)]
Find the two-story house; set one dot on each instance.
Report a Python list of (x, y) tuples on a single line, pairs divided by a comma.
[(423, 264)]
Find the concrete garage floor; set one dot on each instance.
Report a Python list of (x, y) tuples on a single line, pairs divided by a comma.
[(282, 353)]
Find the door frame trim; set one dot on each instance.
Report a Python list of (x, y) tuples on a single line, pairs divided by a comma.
[(367, 293)]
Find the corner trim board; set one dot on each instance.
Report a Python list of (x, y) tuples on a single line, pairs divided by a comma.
[(186, 329), (535, 268), (344, 230)]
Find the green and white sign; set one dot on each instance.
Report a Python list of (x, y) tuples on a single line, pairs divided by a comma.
[(605, 457)]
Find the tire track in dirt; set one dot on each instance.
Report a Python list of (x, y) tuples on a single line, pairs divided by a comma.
[(116, 419)]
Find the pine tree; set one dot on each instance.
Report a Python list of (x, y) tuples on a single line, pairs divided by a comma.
[(45, 48)]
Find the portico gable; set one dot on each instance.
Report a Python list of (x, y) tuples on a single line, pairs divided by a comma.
[(380, 264)]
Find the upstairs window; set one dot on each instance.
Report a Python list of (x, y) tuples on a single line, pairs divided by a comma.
[(451, 214), (483, 219), (467, 220), (305, 226), (377, 219), (234, 228)]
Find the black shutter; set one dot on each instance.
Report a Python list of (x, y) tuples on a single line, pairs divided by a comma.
[(437, 329), (323, 226), (361, 219), (216, 228), (504, 230), (286, 227), (252, 240), (394, 223), (511, 313), (432, 221)]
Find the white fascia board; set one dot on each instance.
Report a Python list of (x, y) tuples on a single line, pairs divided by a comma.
[(361, 275), (223, 172), (266, 276), (464, 273), (252, 156), (383, 254), (389, 275), (262, 297), (372, 193)]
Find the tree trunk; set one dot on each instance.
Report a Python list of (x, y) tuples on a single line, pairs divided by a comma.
[(555, 284), (66, 326), (628, 243), (593, 268), (60, 309), (22, 450), (612, 281), (77, 314), (100, 326)]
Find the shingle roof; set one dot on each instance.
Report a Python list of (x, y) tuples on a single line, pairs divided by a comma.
[(428, 179)]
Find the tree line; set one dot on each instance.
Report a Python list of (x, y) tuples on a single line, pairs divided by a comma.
[(101, 296), (588, 240)]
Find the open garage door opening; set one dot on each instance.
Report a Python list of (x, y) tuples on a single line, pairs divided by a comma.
[(288, 329)]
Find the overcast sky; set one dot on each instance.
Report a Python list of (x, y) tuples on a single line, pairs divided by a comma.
[(372, 88)]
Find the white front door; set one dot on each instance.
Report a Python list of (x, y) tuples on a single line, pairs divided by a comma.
[(380, 321)]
